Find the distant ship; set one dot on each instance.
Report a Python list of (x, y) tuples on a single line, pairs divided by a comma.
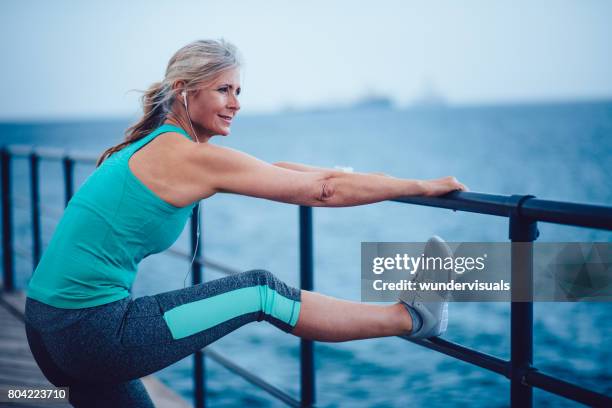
[(373, 102), (430, 97)]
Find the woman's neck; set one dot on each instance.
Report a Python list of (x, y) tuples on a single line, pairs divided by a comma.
[(183, 123)]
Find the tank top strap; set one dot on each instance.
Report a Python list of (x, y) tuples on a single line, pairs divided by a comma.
[(134, 147), (162, 129), (169, 128)]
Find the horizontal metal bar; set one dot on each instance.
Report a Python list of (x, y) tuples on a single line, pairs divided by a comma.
[(22, 251), (565, 389), (465, 201), (581, 215), (51, 153), (19, 150), (21, 201), (83, 158), (533, 377), (253, 379), (216, 266), (177, 252), (483, 360), (52, 211), (558, 212)]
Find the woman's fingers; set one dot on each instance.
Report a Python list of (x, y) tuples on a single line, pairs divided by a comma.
[(445, 185), (456, 184)]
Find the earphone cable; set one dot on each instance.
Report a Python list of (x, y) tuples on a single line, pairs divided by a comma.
[(195, 251)]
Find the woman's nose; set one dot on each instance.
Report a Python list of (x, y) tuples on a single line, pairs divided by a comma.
[(234, 103)]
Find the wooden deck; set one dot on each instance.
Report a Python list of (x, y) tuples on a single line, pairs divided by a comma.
[(18, 368)]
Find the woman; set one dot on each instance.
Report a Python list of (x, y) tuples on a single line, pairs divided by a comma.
[(84, 329)]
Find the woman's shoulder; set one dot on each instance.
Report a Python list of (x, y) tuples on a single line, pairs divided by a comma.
[(162, 165)]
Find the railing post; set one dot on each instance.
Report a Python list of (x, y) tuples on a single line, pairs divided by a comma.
[(307, 369), (35, 203), (68, 178), (522, 231), (199, 368), (7, 223)]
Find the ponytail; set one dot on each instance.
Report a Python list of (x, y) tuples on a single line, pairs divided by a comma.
[(155, 105)]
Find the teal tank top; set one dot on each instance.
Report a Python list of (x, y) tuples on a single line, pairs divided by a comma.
[(110, 224)]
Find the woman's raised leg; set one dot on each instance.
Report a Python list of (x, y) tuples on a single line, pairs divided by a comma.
[(324, 318), (128, 339)]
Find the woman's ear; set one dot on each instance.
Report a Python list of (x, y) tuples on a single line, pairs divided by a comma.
[(178, 87)]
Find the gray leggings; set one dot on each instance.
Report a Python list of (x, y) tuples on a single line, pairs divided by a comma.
[(101, 352)]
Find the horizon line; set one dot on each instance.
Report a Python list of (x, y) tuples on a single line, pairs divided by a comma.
[(320, 108)]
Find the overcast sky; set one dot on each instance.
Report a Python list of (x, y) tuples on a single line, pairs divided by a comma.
[(80, 58)]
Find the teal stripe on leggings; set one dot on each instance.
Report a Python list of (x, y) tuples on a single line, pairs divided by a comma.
[(193, 317)]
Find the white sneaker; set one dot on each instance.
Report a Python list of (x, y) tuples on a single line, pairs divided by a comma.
[(434, 314)]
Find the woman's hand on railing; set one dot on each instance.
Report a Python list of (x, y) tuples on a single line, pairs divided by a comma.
[(442, 186)]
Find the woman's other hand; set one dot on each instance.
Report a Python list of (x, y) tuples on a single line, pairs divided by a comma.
[(442, 186)]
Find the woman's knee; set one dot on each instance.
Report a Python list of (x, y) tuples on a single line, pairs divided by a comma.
[(280, 303), (262, 277), (258, 277)]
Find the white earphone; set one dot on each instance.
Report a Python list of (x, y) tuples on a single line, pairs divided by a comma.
[(184, 95)]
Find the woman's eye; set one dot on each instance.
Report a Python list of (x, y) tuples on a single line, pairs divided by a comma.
[(225, 89)]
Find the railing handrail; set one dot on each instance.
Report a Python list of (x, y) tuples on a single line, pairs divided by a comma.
[(523, 211), (50, 153), (556, 212)]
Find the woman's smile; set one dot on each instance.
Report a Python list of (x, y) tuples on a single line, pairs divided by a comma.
[(226, 119)]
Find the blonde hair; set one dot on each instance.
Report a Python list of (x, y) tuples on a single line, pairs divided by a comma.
[(195, 64)]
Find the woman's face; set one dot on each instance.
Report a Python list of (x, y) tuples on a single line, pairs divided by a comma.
[(213, 106)]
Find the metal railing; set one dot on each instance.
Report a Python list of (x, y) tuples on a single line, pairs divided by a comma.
[(523, 212)]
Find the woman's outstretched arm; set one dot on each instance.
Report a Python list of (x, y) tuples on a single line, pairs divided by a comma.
[(212, 168), (304, 167)]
